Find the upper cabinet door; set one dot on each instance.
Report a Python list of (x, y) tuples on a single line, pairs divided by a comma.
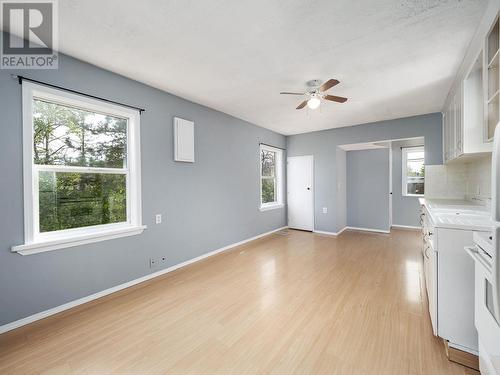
[(459, 122), (446, 115), (448, 136), (473, 116), (492, 79), (452, 128)]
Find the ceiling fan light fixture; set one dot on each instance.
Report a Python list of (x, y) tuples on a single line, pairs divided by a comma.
[(316, 95), (314, 102)]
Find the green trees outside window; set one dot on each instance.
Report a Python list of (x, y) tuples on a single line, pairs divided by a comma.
[(65, 141), (268, 176)]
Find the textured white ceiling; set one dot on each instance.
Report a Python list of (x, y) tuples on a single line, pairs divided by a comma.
[(394, 58)]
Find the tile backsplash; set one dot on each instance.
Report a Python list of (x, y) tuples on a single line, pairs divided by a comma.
[(469, 180)]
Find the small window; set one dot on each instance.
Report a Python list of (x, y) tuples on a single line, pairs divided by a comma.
[(270, 177), (413, 171), (81, 169)]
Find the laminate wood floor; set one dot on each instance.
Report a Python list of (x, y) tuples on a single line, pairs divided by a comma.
[(300, 303)]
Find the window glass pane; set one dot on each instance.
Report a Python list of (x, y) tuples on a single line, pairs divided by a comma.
[(268, 160), (72, 200), (415, 188), (415, 155), (268, 190), (415, 168), (70, 136)]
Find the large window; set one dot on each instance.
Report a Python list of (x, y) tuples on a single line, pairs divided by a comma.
[(81, 170), (413, 171), (270, 177)]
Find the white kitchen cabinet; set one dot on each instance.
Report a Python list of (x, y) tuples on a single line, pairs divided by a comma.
[(453, 119), (472, 109), (473, 117), (430, 266), (492, 80), (430, 270), (447, 133), (459, 124), (449, 281), (453, 127), (455, 288)]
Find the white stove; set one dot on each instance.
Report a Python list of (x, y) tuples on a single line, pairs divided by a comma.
[(486, 255), (486, 312)]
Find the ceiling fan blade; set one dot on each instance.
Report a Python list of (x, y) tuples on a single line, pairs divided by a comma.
[(292, 93), (302, 105), (328, 85), (333, 98)]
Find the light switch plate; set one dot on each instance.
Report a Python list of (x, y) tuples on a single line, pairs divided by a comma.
[(325, 210), (158, 218)]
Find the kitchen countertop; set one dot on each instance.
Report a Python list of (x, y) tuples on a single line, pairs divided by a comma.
[(458, 214)]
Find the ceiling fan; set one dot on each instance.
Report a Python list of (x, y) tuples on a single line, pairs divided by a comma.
[(316, 93)]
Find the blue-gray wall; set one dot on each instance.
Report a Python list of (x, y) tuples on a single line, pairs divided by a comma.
[(368, 189), (323, 144), (405, 210), (206, 205)]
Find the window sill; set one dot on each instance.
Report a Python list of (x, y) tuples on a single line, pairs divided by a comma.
[(272, 206), (62, 243)]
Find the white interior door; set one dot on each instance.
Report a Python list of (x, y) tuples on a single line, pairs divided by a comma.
[(300, 197)]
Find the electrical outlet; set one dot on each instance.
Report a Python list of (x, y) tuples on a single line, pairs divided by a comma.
[(163, 260), (158, 218), (152, 263), (325, 210)]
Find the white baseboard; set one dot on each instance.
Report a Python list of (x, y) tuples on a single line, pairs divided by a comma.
[(369, 230), (405, 227), (44, 314), (335, 234), (463, 348), (342, 230)]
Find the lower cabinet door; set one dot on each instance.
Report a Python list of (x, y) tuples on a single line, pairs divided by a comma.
[(430, 261)]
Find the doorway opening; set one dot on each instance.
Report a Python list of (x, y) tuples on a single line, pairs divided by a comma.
[(383, 182)]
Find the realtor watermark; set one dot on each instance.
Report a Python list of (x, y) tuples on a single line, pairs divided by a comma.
[(30, 34)]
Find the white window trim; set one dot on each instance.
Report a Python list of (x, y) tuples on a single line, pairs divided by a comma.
[(279, 179), (35, 242), (404, 159)]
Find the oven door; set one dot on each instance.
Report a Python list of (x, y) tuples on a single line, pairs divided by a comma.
[(487, 326), (495, 272)]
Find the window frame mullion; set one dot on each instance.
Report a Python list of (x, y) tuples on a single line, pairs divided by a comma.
[(76, 169)]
